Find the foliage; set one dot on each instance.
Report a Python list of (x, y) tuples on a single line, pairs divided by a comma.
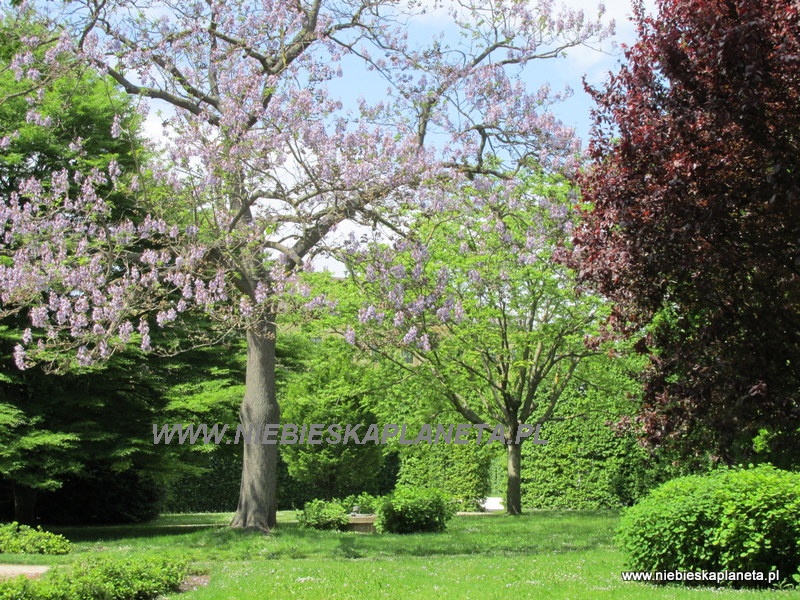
[(414, 510), (100, 494), (213, 485), (110, 470), (334, 385), (473, 295), (216, 487), (51, 425), (367, 504), (692, 222), (736, 520), (110, 579), (460, 471), (265, 161), (72, 126), (589, 462), (22, 539), (324, 514)]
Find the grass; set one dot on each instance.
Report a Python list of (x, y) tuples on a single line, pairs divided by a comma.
[(543, 554)]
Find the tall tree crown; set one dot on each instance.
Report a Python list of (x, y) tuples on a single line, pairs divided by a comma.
[(693, 222)]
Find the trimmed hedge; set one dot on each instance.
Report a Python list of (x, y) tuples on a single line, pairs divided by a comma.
[(410, 510), (21, 539), (461, 471), (217, 489), (729, 520), (586, 465), (109, 579)]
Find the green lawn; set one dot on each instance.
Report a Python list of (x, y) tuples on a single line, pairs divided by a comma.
[(547, 554)]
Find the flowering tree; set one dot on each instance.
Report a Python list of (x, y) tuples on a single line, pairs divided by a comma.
[(475, 296), (265, 161)]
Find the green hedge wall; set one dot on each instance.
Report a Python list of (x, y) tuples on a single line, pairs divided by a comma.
[(460, 471), (587, 465)]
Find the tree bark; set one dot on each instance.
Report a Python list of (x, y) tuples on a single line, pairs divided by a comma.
[(257, 494), (514, 489), (24, 504)]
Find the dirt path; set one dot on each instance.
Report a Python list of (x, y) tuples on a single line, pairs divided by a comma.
[(30, 571)]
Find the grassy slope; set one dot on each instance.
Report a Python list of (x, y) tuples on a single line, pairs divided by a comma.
[(545, 554)]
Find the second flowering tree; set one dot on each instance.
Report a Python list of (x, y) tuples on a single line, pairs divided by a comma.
[(473, 301)]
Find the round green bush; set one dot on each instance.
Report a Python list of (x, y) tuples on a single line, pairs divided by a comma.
[(412, 510), (22, 539), (132, 578), (736, 520), (323, 514)]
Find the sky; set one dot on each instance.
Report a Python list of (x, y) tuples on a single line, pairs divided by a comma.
[(592, 63)]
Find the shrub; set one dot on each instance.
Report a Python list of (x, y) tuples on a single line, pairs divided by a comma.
[(730, 520), (410, 510), (322, 514), (586, 464), (367, 503), (21, 539), (109, 579)]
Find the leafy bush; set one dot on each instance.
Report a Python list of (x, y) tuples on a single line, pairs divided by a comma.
[(323, 514), (21, 539), (109, 579), (730, 520), (410, 510), (367, 503)]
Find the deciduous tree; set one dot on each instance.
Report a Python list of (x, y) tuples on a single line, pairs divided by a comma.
[(475, 297), (694, 221), (268, 155)]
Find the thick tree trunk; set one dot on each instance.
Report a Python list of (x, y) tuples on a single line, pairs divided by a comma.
[(257, 494), (514, 489), (24, 504)]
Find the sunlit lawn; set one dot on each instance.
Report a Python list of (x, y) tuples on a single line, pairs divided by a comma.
[(540, 555)]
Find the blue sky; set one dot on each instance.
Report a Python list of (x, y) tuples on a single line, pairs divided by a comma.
[(592, 63)]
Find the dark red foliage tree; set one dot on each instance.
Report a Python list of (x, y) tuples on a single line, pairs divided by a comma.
[(693, 225)]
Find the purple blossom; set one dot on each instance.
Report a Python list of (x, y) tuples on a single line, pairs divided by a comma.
[(39, 316), (116, 127), (314, 303), (424, 343), (310, 160), (84, 356), (125, 331), (144, 331), (410, 336)]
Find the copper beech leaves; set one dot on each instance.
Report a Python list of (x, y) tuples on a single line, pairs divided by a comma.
[(693, 226)]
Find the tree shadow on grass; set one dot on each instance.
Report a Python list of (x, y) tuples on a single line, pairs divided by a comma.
[(94, 533)]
